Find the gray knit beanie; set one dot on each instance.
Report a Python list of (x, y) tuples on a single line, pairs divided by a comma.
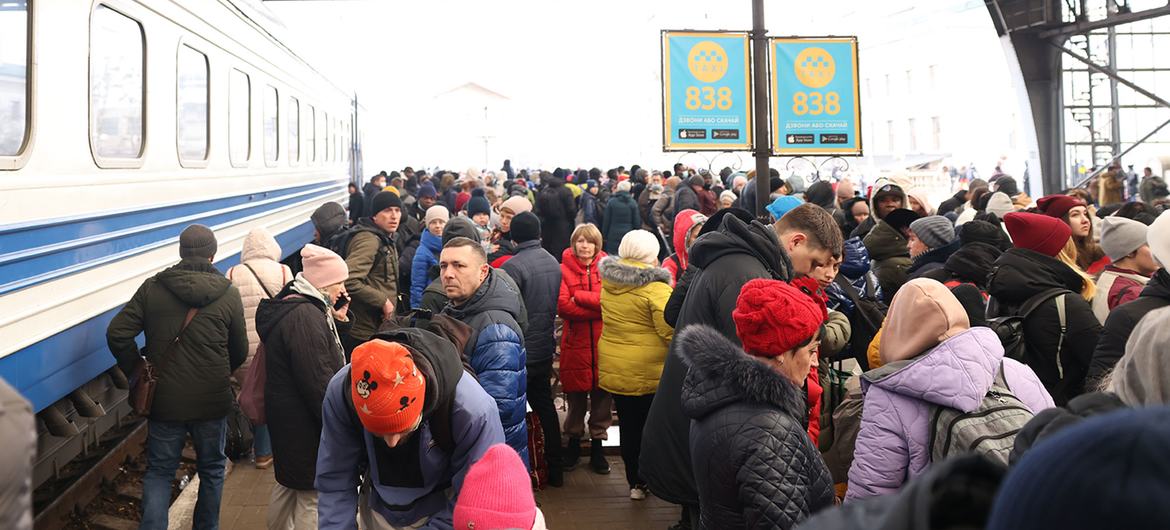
[(1121, 236), (197, 241), (934, 231)]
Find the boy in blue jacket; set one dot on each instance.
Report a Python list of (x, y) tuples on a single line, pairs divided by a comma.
[(402, 424)]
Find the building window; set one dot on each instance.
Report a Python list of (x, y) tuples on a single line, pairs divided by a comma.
[(240, 117), (14, 27), (192, 118), (116, 88), (913, 136), (271, 124), (936, 132), (311, 134), (891, 142), (294, 130)]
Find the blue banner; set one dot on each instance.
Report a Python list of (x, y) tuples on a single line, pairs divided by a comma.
[(706, 91), (816, 109)]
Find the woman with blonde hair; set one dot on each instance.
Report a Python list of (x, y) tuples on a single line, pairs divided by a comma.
[(1062, 331), (1075, 212), (579, 306)]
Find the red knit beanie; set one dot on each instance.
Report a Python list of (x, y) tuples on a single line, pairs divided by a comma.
[(773, 317), (496, 493), (1058, 205), (1041, 233)]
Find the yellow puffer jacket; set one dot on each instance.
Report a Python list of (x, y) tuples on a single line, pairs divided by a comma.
[(634, 336)]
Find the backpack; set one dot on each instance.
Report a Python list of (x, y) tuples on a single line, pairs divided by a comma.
[(339, 242), (868, 315), (989, 430), (1010, 326)]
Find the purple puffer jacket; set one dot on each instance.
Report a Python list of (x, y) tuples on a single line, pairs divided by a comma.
[(892, 445)]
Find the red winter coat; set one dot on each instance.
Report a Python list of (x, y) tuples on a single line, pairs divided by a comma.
[(579, 305)]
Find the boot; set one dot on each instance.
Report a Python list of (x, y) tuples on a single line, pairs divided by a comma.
[(597, 459), (572, 454), (556, 475)]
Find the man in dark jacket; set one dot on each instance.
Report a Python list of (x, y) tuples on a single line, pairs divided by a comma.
[(372, 188), (481, 300), (406, 413), (727, 258), (687, 195), (538, 276), (621, 216), (886, 198), (373, 269), (195, 337), (557, 212), (303, 351)]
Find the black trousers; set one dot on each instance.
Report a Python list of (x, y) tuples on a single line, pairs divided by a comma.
[(632, 412), (541, 399)]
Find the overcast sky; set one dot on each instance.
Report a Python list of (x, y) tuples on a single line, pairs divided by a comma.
[(583, 77)]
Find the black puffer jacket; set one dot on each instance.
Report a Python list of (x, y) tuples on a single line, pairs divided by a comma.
[(970, 264), (538, 277), (1121, 322), (1021, 274), (558, 212), (301, 355), (930, 260), (754, 464), (194, 375), (724, 260)]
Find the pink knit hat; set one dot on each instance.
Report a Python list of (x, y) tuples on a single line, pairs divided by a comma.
[(496, 494), (323, 267)]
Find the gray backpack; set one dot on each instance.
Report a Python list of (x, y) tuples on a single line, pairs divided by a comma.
[(989, 430)]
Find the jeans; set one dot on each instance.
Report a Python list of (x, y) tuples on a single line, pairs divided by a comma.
[(164, 447), (541, 399), (261, 441), (632, 412)]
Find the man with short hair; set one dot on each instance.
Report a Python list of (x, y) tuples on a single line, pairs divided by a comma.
[(372, 259), (737, 252), (196, 337), (402, 425), (1125, 243), (483, 301), (538, 275), (373, 187)]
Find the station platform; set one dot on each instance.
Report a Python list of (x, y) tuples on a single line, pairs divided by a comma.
[(587, 500)]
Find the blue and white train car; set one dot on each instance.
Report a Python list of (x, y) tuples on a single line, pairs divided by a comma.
[(122, 122)]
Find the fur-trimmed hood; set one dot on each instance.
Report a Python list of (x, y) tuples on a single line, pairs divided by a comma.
[(722, 373), (623, 275)]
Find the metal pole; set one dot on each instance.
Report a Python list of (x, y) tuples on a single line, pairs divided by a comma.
[(1106, 165), (760, 116)]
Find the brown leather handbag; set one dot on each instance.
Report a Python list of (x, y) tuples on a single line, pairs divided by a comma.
[(145, 378)]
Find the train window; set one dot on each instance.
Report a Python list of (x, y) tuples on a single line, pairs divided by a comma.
[(13, 76), (324, 136), (311, 132), (271, 124), (240, 117), (116, 88), (191, 121), (294, 130)]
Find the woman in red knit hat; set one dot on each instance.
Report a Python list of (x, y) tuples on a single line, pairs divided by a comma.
[(754, 463), (1075, 213), (1042, 264)]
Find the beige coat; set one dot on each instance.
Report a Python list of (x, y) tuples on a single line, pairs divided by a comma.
[(261, 252)]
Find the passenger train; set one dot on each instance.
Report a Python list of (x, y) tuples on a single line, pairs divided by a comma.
[(122, 122)]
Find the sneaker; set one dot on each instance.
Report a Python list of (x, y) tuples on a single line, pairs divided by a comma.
[(263, 462), (638, 493)]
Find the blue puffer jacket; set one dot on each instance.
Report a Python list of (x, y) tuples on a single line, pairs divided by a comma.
[(855, 268), (497, 354), (426, 257)]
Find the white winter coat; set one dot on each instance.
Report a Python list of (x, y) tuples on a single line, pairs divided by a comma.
[(261, 252)]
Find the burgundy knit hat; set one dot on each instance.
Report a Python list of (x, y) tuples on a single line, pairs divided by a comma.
[(1058, 205), (772, 317), (1041, 233)]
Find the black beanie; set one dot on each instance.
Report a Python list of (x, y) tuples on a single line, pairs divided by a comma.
[(478, 204), (901, 218), (983, 232), (460, 226), (384, 200), (774, 184), (525, 227), (197, 241), (972, 300)]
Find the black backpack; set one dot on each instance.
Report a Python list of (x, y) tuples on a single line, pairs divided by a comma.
[(339, 241), (868, 315), (1008, 324)]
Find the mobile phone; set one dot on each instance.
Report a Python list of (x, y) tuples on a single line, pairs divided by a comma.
[(341, 301)]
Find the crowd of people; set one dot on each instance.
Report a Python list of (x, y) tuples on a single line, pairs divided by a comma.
[(852, 358)]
